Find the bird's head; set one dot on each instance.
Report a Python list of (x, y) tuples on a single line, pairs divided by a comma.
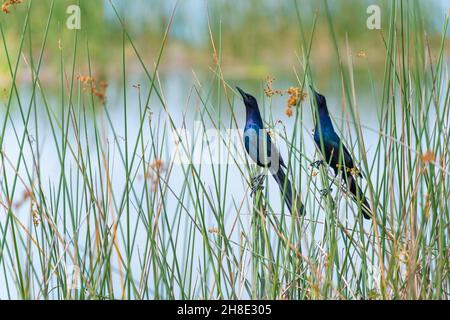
[(249, 100), (320, 99)]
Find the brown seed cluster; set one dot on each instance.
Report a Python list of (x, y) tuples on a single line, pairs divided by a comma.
[(36, 218), (153, 173), (86, 80), (295, 96), (97, 89), (294, 93), (8, 3), (213, 230), (269, 91), (428, 157), (288, 111), (25, 196), (361, 54)]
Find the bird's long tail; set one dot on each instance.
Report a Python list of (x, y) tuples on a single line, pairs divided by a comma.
[(359, 195), (286, 190)]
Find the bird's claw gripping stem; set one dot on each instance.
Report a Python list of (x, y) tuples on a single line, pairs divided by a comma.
[(325, 192), (256, 184), (317, 164)]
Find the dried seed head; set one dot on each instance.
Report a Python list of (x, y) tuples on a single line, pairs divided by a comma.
[(361, 54), (288, 111), (428, 157)]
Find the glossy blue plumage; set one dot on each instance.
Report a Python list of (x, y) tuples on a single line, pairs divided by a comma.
[(260, 148), (334, 150), (335, 153)]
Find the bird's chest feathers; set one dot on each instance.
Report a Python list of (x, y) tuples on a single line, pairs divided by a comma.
[(326, 132), (257, 144), (253, 136)]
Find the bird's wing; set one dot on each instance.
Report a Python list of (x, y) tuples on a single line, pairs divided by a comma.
[(334, 145), (347, 156), (275, 154), (260, 148), (351, 164)]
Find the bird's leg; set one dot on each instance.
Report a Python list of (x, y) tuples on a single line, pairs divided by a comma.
[(326, 191), (256, 184), (316, 164)]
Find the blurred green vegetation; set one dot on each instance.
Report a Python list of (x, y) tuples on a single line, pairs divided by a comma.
[(254, 38), (89, 176)]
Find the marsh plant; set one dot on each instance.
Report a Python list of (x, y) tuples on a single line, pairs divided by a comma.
[(103, 195)]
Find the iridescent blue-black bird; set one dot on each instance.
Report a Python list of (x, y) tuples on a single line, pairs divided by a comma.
[(335, 153), (263, 152)]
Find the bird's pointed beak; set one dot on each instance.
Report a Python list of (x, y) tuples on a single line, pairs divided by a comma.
[(243, 94)]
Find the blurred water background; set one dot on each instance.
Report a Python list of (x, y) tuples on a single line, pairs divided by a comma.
[(255, 39)]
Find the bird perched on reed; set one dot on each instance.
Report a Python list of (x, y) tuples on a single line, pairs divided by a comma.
[(263, 152), (335, 153)]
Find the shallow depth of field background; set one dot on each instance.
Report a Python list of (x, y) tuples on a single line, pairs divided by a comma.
[(93, 205)]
